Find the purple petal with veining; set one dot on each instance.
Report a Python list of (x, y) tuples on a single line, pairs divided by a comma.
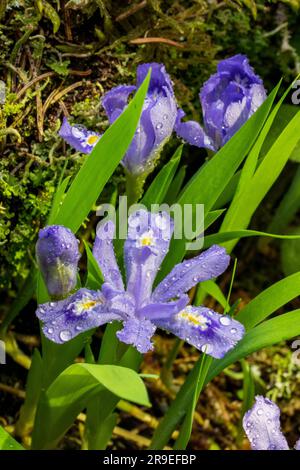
[(209, 264), (104, 254), (208, 331), (79, 137), (82, 311), (138, 333), (262, 426)]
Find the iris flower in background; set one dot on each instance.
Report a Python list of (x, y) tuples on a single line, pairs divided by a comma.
[(140, 308), (156, 123), (262, 426), (57, 256), (228, 100)]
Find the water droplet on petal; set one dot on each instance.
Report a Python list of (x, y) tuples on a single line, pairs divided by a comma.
[(207, 348), (50, 331), (160, 221), (159, 125), (65, 335), (225, 321), (260, 411), (233, 330)]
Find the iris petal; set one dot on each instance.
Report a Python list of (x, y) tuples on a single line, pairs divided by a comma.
[(104, 254), (208, 331), (159, 80), (115, 100), (192, 132), (68, 318), (144, 250), (138, 333), (159, 311), (262, 426), (79, 137), (209, 264)]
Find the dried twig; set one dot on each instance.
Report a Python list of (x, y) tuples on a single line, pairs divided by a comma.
[(131, 11), (169, 42)]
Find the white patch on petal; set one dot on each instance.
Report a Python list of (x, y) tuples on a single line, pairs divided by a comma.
[(233, 112), (77, 133), (83, 305), (258, 96), (147, 239), (190, 315), (207, 142), (219, 104)]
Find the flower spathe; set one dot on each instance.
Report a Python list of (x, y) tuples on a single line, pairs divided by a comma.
[(140, 308), (58, 255), (155, 126), (228, 100), (262, 426)]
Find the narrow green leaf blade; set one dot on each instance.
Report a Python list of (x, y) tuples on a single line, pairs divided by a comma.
[(270, 300), (73, 389), (94, 277), (7, 442), (241, 210)]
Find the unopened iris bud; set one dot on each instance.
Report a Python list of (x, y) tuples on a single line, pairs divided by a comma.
[(58, 255), (228, 99)]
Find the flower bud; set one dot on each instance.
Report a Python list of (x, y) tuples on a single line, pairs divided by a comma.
[(58, 255)]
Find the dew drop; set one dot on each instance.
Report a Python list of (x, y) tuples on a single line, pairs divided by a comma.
[(207, 348), (65, 335), (159, 125), (260, 411), (50, 331), (233, 330), (160, 222), (225, 321)]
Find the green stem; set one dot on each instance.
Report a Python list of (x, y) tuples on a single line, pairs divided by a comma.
[(101, 419), (166, 372), (288, 206), (134, 187)]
